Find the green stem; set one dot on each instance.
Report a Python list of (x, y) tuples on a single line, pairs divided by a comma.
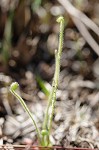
[(47, 109), (57, 69), (45, 123), (26, 109), (52, 97)]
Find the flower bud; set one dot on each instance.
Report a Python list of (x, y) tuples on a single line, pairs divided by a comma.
[(44, 132), (14, 86)]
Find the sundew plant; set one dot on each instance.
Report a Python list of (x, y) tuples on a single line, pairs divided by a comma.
[(44, 133)]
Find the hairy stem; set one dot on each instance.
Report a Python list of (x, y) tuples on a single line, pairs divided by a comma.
[(52, 98), (25, 108)]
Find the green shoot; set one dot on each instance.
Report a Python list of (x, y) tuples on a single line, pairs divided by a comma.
[(44, 135), (42, 86)]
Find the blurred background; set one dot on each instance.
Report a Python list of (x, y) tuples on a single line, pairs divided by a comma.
[(28, 38)]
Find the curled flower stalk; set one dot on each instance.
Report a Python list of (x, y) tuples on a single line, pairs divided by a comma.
[(14, 86)]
